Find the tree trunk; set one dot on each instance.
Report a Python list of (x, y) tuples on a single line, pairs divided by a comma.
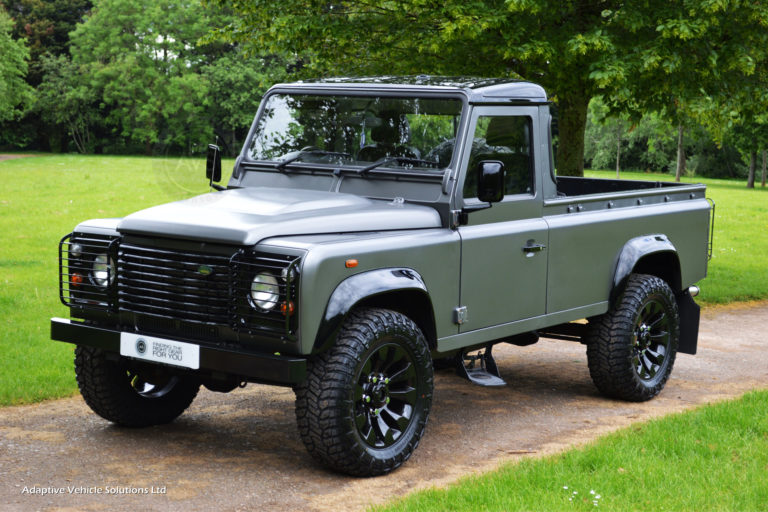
[(752, 165), (765, 162), (680, 153), (618, 148), (572, 125)]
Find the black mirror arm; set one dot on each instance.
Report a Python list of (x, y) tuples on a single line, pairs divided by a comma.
[(215, 186), (464, 213)]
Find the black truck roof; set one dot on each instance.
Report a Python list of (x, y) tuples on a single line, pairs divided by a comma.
[(478, 90)]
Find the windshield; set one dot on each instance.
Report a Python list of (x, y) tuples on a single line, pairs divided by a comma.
[(357, 131)]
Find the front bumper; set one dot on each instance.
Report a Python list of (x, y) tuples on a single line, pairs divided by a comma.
[(259, 367)]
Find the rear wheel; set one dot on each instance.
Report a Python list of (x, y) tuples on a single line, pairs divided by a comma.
[(364, 405), (631, 349), (132, 395)]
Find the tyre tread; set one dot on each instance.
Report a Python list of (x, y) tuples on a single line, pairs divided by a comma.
[(609, 350), (322, 403), (105, 388)]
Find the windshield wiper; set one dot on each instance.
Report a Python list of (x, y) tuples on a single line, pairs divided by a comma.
[(399, 159), (305, 152)]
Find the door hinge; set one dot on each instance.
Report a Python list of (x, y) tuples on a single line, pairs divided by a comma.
[(460, 315)]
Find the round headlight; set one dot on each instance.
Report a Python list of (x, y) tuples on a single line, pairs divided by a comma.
[(75, 250), (103, 273), (265, 291)]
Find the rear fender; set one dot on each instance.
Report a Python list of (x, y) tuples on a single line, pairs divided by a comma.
[(656, 255), (646, 254)]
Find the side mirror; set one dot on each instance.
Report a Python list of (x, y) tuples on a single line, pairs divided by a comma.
[(213, 164), (490, 181)]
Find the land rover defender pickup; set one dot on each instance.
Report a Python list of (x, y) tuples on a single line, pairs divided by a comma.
[(371, 229)]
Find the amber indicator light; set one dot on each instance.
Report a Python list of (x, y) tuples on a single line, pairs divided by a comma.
[(76, 279), (350, 263), (287, 308)]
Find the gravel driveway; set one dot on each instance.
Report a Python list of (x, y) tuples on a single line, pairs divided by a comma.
[(241, 451)]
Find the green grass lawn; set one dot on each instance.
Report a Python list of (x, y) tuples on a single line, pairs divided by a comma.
[(42, 199), (45, 196), (712, 458)]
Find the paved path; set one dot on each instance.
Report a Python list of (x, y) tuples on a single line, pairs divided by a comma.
[(11, 156), (241, 451)]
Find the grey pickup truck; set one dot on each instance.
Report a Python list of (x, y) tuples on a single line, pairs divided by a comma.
[(373, 229)]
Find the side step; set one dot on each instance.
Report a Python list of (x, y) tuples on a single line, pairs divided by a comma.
[(479, 369)]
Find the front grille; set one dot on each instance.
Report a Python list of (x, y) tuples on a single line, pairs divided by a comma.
[(86, 271), (205, 289), (172, 284)]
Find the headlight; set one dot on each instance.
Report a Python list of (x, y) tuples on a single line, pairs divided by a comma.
[(103, 272), (75, 250), (265, 291)]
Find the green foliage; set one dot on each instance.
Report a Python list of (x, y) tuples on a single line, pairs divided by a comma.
[(237, 82), (650, 144), (711, 458), (141, 59), (627, 52), (15, 94), (64, 98), (46, 25)]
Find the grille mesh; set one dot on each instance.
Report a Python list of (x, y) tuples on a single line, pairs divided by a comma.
[(184, 286), (204, 288)]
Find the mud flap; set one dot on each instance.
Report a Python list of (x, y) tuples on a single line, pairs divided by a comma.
[(689, 323), (479, 369)]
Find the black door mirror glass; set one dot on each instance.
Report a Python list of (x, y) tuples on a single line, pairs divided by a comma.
[(490, 186), (213, 163)]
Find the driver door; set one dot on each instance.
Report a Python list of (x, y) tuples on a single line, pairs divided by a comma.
[(503, 248)]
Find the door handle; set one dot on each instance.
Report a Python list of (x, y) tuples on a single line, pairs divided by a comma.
[(531, 247)]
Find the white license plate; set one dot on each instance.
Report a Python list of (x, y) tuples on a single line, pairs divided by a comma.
[(160, 350)]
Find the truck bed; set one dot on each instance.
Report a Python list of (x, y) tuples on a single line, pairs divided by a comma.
[(594, 194), (572, 186)]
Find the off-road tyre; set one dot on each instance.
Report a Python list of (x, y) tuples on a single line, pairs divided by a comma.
[(131, 395), (379, 362), (631, 349)]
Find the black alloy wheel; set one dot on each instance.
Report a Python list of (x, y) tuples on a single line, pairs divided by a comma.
[(631, 349), (653, 340), (364, 405), (385, 395)]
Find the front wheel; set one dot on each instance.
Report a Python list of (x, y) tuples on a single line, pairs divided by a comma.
[(364, 405), (136, 395), (631, 349)]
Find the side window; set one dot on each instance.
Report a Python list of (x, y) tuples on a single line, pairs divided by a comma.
[(507, 139)]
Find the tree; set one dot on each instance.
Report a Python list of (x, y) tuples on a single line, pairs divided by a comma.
[(738, 115), (15, 94), (643, 144), (64, 99), (237, 82), (46, 25), (142, 59), (576, 49)]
